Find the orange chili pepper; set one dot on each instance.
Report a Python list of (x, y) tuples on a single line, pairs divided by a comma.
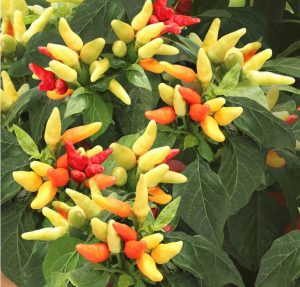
[(53, 95), (102, 180), (162, 116), (152, 65), (62, 161)]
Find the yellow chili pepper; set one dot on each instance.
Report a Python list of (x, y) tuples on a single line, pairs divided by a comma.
[(274, 160), (40, 168), (96, 149), (45, 195), (217, 53), (272, 96), (119, 48), (215, 104), (123, 155), (55, 218), (233, 56), (204, 70), (91, 51), (166, 93), (116, 89), (53, 95), (282, 115), (196, 39), (99, 229), (179, 103), (153, 157), (71, 39), (147, 266), (5, 9), (146, 140), (258, 60), (140, 206), (173, 177), (163, 253), (19, 5), (268, 78), (167, 50), (63, 71), (19, 26), (153, 240), (142, 18), (63, 53), (123, 30), (211, 37), (52, 134), (113, 239), (49, 233), (156, 174), (38, 24), (8, 86), (23, 89), (29, 180), (149, 50), (149, 32), (121, 174), (159, 196), (6, 102), (99, 69), (211, 129), (226, 115)]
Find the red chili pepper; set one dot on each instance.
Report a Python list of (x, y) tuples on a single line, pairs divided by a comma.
[(44, 50), (126, 232), (291, 119), (134, 249), (101, 156), (199, 112), (171, 28), (78, 176), (58, 176), (190, 96), (75, 160), (175, 165), (62, 161), (61, 86), (154, 212), (95, 253), (162, 116), (183, 20), (172, 153), (93, 169), (153, 19), (167, 228), (47, 78), (161, 11), (184, 7)]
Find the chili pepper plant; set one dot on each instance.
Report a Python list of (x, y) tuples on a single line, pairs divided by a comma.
[(150, 143)]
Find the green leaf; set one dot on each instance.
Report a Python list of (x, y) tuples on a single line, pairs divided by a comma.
[(204, 204), (61, 256), (167, 214), (229, 81), (261, 125), (290, 89), (21, 259), (13, 158), (98, 110), (189, 141), (77, 103), (136, 76), (204, 260), (134, 8), (287, 105), (97, 14), (204, 149), (242, 167), (58, 279), (26, 142), (114, 62), (266, 220), (287, 66), (182, 280), (125, 280), (280, 265), (291, 49)]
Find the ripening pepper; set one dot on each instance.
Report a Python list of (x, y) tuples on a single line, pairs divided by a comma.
[(40, 168), (55, 218), (268, 78), (8, 45), (282, 115), (93, 151), (99, 69), (134, 249), (63, 71), (142, 18), (147, 266), (123, 30), (153, 240), (154, 175), (45, 195), (158, 196), (274, 160), (89, 207), (149, 32), (65, 54), (91, 51), (249, 50), (19, 26), (153, 157), (95, 253), (233, 56), (272, 96), (212, 34), (167, 50), (58, 176), (80, 133), (121, 175), (53, 95), (226, 115), (166, 93), (38, 24), (140, 206), (151, 65), (179, 72), (149, 50), (215, 104), (257, 61), (99, 229), (52, 133), (189, 95), (210, 127), (217, 53), (173, 177), (71, 39), (179, 102), (113, 238), (162, 116), (146, 140), (49, 233), (119, 48), (77, 218), (29, 180), (123, 156), (126, 232), (173, 152), (103, 181), (164, 252), (62, 208), (117, 90)]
